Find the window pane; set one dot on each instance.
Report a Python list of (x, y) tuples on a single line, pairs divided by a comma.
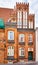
[(24, 19), (21, 37), (10, 35), (19, 19), (30, 38), (21, 51), (10, 51), (30, 24), (20, 14)]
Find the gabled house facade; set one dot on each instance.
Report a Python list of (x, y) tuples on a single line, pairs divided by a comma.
[(17, 35)]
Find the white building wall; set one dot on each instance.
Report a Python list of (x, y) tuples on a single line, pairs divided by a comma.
[(36, 44)]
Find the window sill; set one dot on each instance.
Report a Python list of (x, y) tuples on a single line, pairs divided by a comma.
[(11, 41), (22, 43), (21, 57), (30, 43), (10, 57)]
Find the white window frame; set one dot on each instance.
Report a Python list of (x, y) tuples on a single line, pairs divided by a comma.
[(19, 19), (10, 35), (21, 51), (31, 24), (21, 36), (10, 51), (30, 38), (24, 19)]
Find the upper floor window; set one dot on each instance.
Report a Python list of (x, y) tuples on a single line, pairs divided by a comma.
[(19, 14), (30, 24), (10, 35), (21, 51), (10, 51), (21, 37), (24, 19), (19, 19), (30, 38)]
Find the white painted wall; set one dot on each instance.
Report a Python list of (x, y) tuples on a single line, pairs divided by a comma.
[(36, 44)]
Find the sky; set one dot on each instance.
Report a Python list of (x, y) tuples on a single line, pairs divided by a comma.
[(33, 6)]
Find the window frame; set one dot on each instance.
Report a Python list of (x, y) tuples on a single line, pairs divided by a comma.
[(30, 38), (25, 19), (10, 37), (21, 37), (30, 24), (19, 19), (21, 52), (9, 53)]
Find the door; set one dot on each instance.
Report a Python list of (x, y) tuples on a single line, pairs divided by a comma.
[(30, 55)]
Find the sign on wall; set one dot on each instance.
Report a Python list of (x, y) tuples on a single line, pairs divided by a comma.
[(30, 49)]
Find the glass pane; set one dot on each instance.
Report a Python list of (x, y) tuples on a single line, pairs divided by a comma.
[(31, 24), (24, 19), (21, 52), (30, 37), (10, 51), (10, 35), (21, 38), (19, 20)]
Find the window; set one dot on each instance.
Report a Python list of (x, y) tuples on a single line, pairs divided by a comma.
[(21, 51), (24, 19), (19, 19), (10, 35), (10, 51), (30, 24), (21, 37), (20, 23), (30, 38)]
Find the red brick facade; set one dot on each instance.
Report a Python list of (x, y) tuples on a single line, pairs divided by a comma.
[(24, 49)]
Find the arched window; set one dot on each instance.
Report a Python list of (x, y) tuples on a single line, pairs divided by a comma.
[(21, 51), (10, 35), (21, 37), (10, 51)]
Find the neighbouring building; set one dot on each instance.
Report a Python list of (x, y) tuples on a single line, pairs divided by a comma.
[(17, 34), (36, 43)]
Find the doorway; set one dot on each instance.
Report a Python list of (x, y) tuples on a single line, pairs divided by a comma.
[(30, 55)]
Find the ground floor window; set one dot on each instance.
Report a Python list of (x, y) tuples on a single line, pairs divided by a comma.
[(10, 51), (21, 51), (30, 55)]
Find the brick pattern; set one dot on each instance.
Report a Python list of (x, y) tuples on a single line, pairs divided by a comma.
[(12, 13)]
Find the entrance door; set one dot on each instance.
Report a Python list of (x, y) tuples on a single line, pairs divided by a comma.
[(30, 55)]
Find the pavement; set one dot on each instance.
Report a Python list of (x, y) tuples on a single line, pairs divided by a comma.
[(23, 63)]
